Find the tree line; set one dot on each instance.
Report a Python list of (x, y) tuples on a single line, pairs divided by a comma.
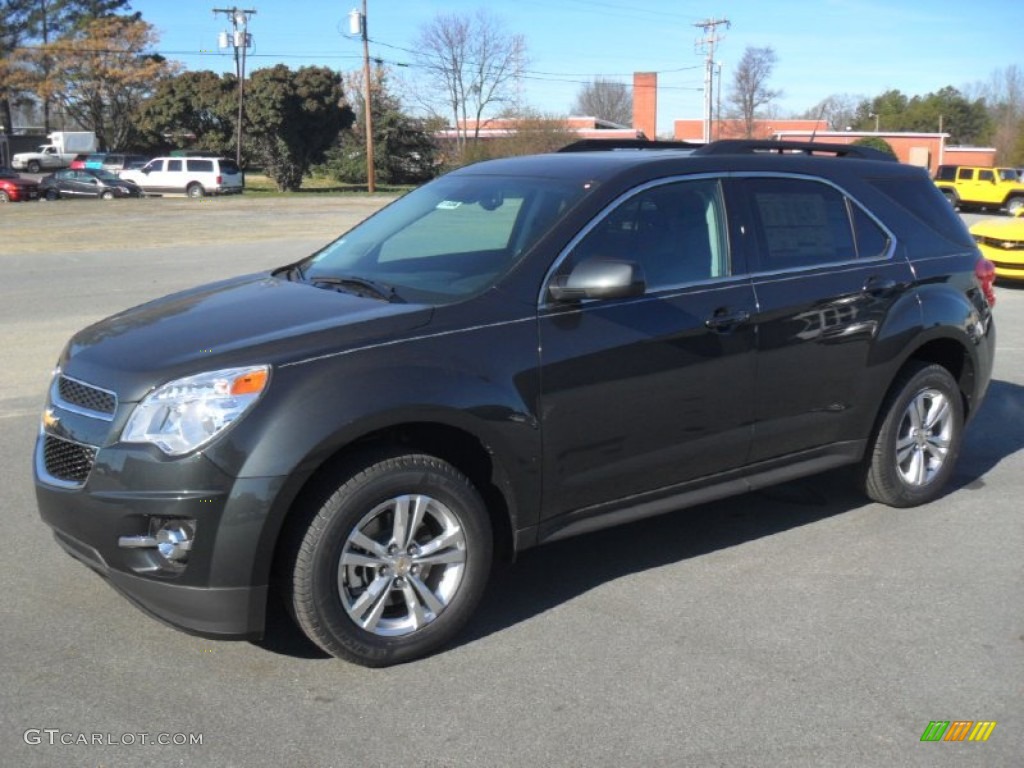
[(90, 63)]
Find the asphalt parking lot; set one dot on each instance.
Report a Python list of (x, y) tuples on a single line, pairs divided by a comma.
[(800, 626)]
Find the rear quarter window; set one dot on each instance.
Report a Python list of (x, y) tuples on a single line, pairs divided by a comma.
[(200, 166), (229, 166), (927, 205)]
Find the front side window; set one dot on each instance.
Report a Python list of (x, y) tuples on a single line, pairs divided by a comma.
[(674, 231), (451, 238)]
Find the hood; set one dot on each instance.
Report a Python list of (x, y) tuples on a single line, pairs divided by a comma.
[(242, 321), (1000, 229)]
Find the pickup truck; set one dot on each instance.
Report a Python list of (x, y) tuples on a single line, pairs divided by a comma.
[(59, 153), (967, 186)]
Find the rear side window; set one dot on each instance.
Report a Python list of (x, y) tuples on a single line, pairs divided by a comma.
[(800, 223), (946, 173), (200, 166), (986, 175), (174, 165), (965, 174), (928, 206)]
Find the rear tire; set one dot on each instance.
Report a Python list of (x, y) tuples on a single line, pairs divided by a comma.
[(917, 443), (393, 563), (1015, 205), (195, 190), (52, 194)]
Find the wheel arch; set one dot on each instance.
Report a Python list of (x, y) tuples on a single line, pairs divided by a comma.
[(464, 450)]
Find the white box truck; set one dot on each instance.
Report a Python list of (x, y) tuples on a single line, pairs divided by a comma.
[(59, 153)]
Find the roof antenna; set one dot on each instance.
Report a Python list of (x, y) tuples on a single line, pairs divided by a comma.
[(821, 114)]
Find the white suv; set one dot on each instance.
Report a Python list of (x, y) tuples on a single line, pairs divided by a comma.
[(193, 176)]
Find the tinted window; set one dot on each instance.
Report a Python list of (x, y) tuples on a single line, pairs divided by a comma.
[(200, 166), (229, 166), (986, 176), (800, 223), (946, 173), (872, 241), (174, 165), (674, 231), (965, 174)]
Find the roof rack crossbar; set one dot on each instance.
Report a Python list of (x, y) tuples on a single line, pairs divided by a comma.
[(752, 146)]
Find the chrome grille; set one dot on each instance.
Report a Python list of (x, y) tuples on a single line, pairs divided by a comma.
[(78, 393), (67, 461)]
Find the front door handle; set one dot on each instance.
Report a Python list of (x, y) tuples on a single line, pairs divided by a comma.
[(723, 320)]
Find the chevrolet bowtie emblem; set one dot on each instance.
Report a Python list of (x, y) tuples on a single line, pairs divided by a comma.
[(50, 419)]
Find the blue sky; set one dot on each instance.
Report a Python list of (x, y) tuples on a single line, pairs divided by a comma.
[(824, 47)]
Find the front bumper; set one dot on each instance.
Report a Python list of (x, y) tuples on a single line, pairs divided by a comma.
[(1009, 263), (106, 492)]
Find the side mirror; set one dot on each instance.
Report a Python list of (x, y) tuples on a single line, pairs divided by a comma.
[(599, 279)]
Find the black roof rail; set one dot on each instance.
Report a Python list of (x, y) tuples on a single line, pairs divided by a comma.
[(751, 146), (590, 145)]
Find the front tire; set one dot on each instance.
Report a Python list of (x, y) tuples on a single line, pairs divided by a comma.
[(394, 562), (33, 166), (107, 195), (4, 197), (917, 443), (951, 197)]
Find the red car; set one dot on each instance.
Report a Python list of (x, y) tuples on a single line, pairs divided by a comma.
[(13, 188)]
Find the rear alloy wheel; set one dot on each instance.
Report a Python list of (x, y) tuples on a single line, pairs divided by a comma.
[(1015, 205), (919, 439), (195, 190), (394, 562)]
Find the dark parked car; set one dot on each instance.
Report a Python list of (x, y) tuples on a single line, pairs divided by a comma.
[(13, 188), (87, 182), (522, 350)]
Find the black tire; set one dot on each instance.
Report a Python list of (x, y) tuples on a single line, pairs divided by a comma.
[(195, 190), (918, 438), (52, 194), (1015, 205), (4, 197), (33, 166), (951, 197), (402, 593)]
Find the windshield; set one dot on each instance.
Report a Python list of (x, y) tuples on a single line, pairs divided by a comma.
[(451, 238)]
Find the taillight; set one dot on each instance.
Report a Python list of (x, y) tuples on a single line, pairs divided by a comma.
[(220, 180), (985, 271)]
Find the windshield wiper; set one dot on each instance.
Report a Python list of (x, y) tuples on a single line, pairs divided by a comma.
[(361, 286)]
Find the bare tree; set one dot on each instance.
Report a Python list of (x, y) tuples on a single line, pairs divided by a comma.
[(605, 99), (750, 91), (473, 63), (1004, 95), (839, 111)]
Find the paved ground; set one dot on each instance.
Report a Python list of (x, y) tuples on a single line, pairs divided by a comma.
[(797, 627)]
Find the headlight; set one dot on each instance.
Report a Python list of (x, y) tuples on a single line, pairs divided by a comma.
[(184, 414)]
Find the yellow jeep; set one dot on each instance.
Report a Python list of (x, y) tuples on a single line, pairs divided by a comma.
[(968, 186)]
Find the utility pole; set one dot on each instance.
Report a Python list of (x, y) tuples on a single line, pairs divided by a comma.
[(706, 44), (357, 26), (239, 39)]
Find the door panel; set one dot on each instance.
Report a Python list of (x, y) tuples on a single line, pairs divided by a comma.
[(641, 394), (825, 278)]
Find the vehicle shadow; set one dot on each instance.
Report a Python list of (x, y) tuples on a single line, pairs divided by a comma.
[(550, 575)]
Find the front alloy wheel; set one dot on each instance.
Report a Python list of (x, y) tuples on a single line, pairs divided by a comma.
[(918, 440), (393, 563)]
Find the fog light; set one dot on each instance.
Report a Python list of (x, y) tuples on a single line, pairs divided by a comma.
[(174, 540)]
